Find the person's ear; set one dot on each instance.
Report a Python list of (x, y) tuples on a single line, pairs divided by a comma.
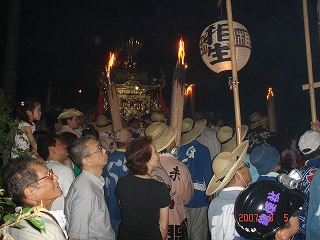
[(30, 193), (86, 162), (29, 112), (51, 149)]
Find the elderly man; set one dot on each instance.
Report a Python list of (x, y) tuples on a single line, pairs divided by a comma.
[(54, 152), (29, 183), (231, 176), (86, 210)]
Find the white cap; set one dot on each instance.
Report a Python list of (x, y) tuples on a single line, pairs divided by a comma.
[(309, 142)]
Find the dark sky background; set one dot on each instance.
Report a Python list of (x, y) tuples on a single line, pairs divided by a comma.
[(57, 44)]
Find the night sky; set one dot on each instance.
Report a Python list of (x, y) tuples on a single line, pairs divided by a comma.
[(68, 43)]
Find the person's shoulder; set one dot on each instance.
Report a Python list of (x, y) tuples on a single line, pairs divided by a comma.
[(24, 124), (58, 167), (175, 162), (53, 230)]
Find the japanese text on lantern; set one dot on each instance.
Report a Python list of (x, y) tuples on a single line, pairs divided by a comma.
[(214, 42)]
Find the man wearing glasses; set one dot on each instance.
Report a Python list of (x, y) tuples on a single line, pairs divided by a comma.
[(231, 177), (29, 183), (86, 210)]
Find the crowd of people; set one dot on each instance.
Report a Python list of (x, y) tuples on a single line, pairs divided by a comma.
[(136, 183)]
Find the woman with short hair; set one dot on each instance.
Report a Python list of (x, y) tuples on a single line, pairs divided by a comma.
[(144, 202)]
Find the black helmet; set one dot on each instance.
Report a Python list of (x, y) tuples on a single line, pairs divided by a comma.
[(264, 207)]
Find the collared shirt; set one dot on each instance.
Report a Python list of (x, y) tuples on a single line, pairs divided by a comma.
[(221, 214), (86, 210)]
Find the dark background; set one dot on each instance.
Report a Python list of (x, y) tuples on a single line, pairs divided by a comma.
[(59, 42)]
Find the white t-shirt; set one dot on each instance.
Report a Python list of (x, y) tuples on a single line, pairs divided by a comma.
[(66, 177)]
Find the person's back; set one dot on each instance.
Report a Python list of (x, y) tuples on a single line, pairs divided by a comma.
[(140, 207), (114, 170), (178, 178), (208, 138), (197, 158), (309, 145), (53, 231), (313, 216), (231, 177)]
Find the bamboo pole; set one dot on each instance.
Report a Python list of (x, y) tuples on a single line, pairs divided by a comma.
[(309, 61), (177, 104), (234, 72), (114, 106)]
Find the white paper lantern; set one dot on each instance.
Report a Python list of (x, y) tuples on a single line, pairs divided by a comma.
[(215, 46)]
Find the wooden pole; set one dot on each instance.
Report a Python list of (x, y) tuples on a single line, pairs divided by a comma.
[(234, 72), (309, 61), (271, 112)]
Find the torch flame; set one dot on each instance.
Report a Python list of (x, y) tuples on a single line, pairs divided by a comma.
[(181, 52), (270, 93), (189, 89), (111, 59)]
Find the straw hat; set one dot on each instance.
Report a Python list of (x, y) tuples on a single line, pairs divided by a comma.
[(70, 112), (162, 135), (108, 143), (257, 119), (191, 129), (225, 166), (228, 138), (102, 124), (123, 136), (158, 117)]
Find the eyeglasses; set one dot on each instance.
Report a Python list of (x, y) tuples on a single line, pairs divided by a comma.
[(245, 165), (100, 147), (49, 175)]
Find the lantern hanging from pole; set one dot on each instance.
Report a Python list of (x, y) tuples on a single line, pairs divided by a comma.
[(215, 46)]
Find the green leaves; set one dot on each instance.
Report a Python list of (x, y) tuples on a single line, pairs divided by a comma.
[(27, 213), (37, 223)]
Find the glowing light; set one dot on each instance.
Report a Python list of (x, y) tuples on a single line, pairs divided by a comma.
[(111, 60), (80, 91), (181, 52), (270, 93), (189, 90)]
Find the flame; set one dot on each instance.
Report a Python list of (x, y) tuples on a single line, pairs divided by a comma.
[(189, 90), (111, 60), (270, 93), (80, 91), (181, 52)]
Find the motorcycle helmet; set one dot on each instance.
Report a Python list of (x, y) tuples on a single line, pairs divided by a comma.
[(264, 207)]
